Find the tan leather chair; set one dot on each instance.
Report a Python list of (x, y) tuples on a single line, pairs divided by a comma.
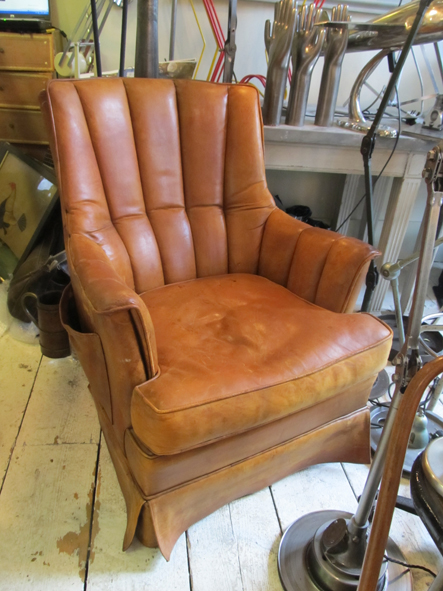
[(213, 328)]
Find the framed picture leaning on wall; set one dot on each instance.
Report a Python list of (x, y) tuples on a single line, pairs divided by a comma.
[(28, 193)]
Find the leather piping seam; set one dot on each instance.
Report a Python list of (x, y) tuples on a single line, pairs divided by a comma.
[(182, 176), (228, 257), (129, 217), (205, 206), (246, 392), (89, 233), (151, 455), (262, 187), (363, 410), (143, 346), (209, 277)]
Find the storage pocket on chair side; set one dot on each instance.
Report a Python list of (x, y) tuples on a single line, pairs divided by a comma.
[(89, 350)]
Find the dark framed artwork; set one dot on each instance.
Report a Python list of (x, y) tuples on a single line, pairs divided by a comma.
[(28, 194)]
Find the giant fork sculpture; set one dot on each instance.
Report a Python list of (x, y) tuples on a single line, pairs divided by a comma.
[(306, 47), (278, 44)]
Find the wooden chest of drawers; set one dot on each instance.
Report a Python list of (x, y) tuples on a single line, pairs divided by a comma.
[(26, 64), (31, 52)]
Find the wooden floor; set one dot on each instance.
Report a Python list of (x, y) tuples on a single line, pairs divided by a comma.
[(62, 516)]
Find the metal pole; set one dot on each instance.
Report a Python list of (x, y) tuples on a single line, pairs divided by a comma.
[(146, 47), (98, 60), (398, 314), (121, 71), (406, 368), (368, 143), (173, 27), (438, 56)]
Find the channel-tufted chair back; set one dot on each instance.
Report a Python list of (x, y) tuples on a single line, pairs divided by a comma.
[(163, 186)]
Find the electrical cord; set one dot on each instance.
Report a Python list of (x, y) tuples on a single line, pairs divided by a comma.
[(409, 566), (420, 78), (62, 33), (375, 426), (366, 109), (379, 404), (384, 167)]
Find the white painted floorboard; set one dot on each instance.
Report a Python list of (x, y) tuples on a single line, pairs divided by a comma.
[(61, 409), (257, 531), (45, 509), (59, 475), (317, 488), (139, 568), (19, 363)]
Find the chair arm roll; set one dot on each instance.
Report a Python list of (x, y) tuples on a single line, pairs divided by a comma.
[(321, 266), (104, 299)]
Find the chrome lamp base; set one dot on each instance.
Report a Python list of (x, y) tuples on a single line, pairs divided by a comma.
[(303, 564)]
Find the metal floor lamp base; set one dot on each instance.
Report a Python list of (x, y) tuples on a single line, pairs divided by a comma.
[(294, 569), (378, 417), (381, 385)]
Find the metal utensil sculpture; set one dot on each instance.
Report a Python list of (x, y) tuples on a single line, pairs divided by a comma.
[(306, 47), (230, 46), (387, 33), (395, 28), (278, 45), (337, 41), (356, 120)]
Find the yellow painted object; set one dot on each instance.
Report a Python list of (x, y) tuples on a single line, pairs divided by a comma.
[(203, 39), (214, 59)]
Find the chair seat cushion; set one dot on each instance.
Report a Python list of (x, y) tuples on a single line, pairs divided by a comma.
[(238, 351)]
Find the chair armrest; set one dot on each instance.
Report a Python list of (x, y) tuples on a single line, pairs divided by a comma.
[(108, 307), (102, 286), (320, 266), (104, 294)]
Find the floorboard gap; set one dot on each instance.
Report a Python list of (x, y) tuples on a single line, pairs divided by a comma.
[(238, 552), (349, 481), (188, 561), (91, 524), (276, 511), (20, 426)]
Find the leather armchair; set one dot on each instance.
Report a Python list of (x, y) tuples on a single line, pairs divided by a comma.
[(214, 329)]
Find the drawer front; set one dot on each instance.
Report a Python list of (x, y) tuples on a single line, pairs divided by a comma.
[(26, 52), (22, 126), (21, 90)]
